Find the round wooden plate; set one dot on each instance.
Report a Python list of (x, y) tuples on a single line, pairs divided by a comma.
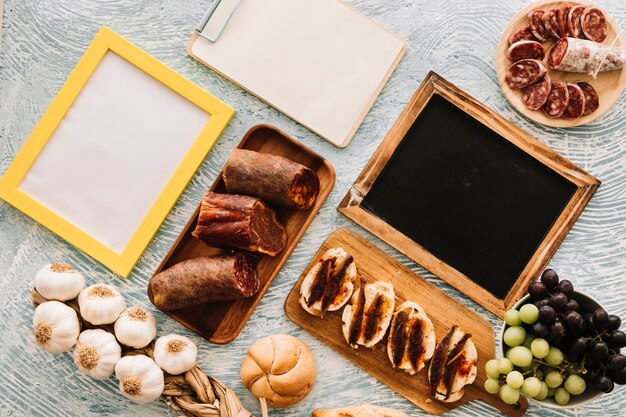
[(609, 85)]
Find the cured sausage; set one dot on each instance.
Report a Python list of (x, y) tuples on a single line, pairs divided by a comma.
[(239, 221), (563, 17), (573, 22), (557, 100), (526, 50), (585, 56), (592, 100), (204, 280), (536, 95), (576, 103), (537, 27), (524, 73), (551, 22), (593, 24), (524, 33), (273, 178)]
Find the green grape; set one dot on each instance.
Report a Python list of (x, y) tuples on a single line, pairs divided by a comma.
[(531, 386), (507, 354), (554, 379), (512, 318), (575, 385), (551, 392), (528, 341), (521, 356), (543, 394), (492, 386), (514, 336), (491, 367), (561, 396), (529, 313), (540, 348), (554, 356), (508, 394), (505, 366), (515, 379)]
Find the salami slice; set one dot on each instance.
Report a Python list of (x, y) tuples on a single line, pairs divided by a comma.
[(557, 100), (593, 24), (573, 22), (524, 73), (585, 56), (536, 95), (576, 103), (551, 22), (592, 100), (537, 27), (526, 50), (524, 33), (563, 16)]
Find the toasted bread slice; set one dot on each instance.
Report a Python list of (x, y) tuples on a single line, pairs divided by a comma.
[(412, 338)]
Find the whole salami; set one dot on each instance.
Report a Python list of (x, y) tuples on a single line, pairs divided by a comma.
[(524, 73), (536, 95), (239, 221), (275, 179), (557, 100), (573, 22), (584, 56), (593, 24), (204, 280), (526, 50), (576, 103), (592, 99), (537, 27)]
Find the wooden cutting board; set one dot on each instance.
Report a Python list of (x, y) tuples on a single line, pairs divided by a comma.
[(443, 310)]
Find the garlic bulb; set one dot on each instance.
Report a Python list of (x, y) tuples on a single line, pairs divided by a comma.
[(58, 281), (175, 354), (97, 353), (56, 326), (135, 327), (101, 304), (140, 378)]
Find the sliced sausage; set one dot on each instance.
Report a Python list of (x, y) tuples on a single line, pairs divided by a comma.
[(537, 27), (551, 22), (593, 23), (524, 73), (576, 103), (536, 95), (526, 50), (557, 100), (273, 178), (563, 16), (592, 100), (573, 22), (204, 280), (524, 33)]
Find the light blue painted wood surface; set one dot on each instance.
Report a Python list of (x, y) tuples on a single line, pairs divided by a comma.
[(42, 42)]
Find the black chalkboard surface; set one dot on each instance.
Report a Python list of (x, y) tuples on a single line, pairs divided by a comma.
[(468, 195), (473, 200)]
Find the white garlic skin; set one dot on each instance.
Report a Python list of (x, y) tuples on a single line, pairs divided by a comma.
[(56, 326), (135, 327), (101, 304), (175, 354), (58, 281), (141, 379), (96, 353)]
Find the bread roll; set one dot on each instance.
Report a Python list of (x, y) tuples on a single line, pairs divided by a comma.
[(279, 368), (365, 410)]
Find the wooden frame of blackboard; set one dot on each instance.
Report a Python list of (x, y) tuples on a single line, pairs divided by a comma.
[(586, 185)]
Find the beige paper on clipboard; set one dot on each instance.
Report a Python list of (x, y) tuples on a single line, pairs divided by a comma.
[(319, 61)]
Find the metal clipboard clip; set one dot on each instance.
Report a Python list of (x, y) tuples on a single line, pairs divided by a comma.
[(216, 18)]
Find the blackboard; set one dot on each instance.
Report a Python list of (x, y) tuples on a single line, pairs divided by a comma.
[(472, 199), (469, 195)]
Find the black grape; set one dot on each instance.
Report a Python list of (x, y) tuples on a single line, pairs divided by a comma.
[(577, 348), (616, 362), (558, 301), (557, 332), (537, 290), (566, 288), (619, 377), (605, 384), (547, 314), (542, 302), (539, 329), (572, 305), (599, 351), (573, 320), (550, 278), (614, 322), (600, 319), (588, 320), (618, 339)]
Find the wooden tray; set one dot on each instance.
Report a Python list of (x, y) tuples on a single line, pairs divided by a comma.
[(444, 311), (222, 322), (609, 85)]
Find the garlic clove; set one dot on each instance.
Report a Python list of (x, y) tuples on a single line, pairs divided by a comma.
[(56, 326), (101, 304), (141, 379), (59, 281), (96, 353), (135, 327), (175, 354)]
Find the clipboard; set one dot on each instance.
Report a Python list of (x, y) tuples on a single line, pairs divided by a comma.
[(320, 62)]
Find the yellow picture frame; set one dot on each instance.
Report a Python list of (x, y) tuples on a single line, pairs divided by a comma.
[(122, 262)]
